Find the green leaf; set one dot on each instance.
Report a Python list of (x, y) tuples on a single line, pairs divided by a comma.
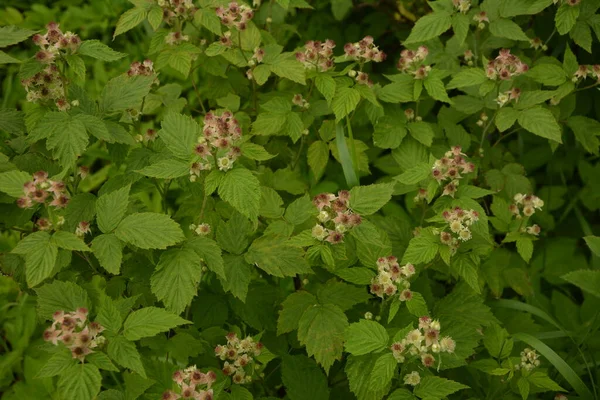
[(467, 77), (261, 73), (389, 131), (422, 132), (150, 321), (505, 118), (125, 92), (586, 279), (111, 209), (166, 169), (179, 133), (321, 331), (435, 88), (543, 381), (383, 372), (303, 379), (7, 59), (293, 307), (289, 69), (12, 182), (76, 67), (496, 342), (540, 121), (149, 231), (270, 207), (524, 388), (129, 20), (109, 315), (109, 252), (581, 34), (344, 102), (340, 8), (435, 387), (415, 174), (367, 200), (525, 248), (563, 368), (101, 361), (11, 34), (507, 29), (565, 18), (274, 256), (318, 157), (255, 151), (326, 86), (365, 337), (209, 252), (40, 256), (548, 74), (241, 189), (238, 276), (59, 295), (422, 248), (342, 295), (402, 394), (57, 364), (586, 131), (69, 241), (208, 19), (361, 373), (175, 280), (155, 16), (80, 381), (593, 242), (98, 50), (430, 26), (124, 352), (68, 140), (417, 305)]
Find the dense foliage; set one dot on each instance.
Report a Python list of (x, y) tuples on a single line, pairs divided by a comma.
[(298, 199)]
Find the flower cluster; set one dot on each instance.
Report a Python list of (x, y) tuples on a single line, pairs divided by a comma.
[(505, 66), (468, 56), (527, 203), (364, 51), (411, 62), (317, 55), (450, 167), (391, 277), (76, 332), (41, 189), (422, 342), (412, 379), (145, 68), (235, 15), (300, 101), (239, 353), (481, 18), (174, 38), (504, 98), (47, 85), (529, 360), (220, 134), (459, 221), (53, 42), (462, 5), (335, 216), (174, 10), (200, 230), (192, 384), (584, 70)]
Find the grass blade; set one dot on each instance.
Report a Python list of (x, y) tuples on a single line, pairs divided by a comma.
[(345, 158)]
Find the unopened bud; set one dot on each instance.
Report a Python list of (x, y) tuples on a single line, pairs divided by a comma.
[(352, 73), (269, 20)]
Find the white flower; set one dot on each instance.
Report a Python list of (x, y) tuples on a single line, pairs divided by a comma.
[(412, 379)]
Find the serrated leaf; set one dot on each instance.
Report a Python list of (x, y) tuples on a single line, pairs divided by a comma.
[(80, 381), (292, 309), (98, 50), (389, 131), (436, 387), (585, 279), (57, 364), (303, 379), (326, 86), (129, 20), (342, 295), (101, 361), (149, 231), (525, 248), (125, 92), (415, 174), (367, 200), (505, 118), (68, 241), (422, 248), (11, 34), (111, 209), (175, 280), (68, 141), (166, 169), (318, 157), (507, 29), (256, 152), (548, 74), (321, 330), (422, 132), (241, 189), (274, 256), (124, 352), (289, 69), (565, 18), (586, 131), (467, 77), (540, 121), (12, 182), (344, 102), (365, 337), (149, 321), (59, 295), (383, 372), (209, 252), (429, 26), (435, 88), (40, 256), (109, 252)]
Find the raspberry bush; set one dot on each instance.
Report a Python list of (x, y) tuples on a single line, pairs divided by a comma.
[(303, 200)]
